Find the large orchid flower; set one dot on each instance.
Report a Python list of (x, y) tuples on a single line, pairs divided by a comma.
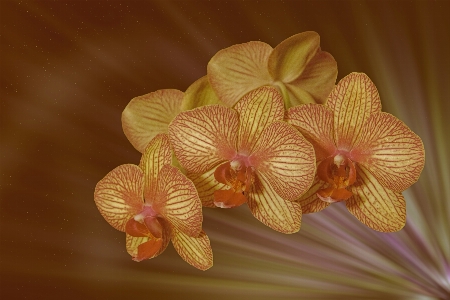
[(155, 203), (297, 66), (365, 157), (246, 154)]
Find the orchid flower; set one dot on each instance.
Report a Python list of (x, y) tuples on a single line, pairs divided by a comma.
[(246, 154), (365, 157), (155, 203), (297, 66)]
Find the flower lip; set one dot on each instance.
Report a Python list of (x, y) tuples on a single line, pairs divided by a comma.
[(339, 172), (239, 177)]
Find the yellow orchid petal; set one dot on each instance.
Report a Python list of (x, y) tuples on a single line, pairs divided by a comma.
[(352, 100), (315, 122), (148, 115), (177, 201), (239, 69), (156, 155), (206, 185), (200, 93), (376, 206), (286, 159), (390, 151), (272, 210), (194, 250), (119, 195), (257, 110), (204, 137), (316, 81), (309, 201), (288, 60)]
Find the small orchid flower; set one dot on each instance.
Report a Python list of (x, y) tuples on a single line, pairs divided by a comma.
[(365, 157), (155, 203), (246, 154), (297, 66)]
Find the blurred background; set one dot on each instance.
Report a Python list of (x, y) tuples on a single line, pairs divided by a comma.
[(69, 68)]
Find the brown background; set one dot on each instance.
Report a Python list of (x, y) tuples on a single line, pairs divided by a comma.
[(68, 68)]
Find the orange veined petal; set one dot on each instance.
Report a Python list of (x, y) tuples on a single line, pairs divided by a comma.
[(133, 243), (148, 115), (286, 159), (316, 81), (156, 155), (177, 201), (315, 122), (119, 195), (200, 93), (206, 185), (204, 137), (309, 201), (194, 250), (272, 210), (257, 110), (288, 60), (352, 101), (390, 151), (239, 69), (376, 206)]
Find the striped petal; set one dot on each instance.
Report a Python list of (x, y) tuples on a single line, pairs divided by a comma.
[(286, 159), (315, 122), (272, 210), (309, 201), (353, 100), (156, 155), (200, 93), (376, 206), (119, 195), (239, 69), (148, 115), (257, 110), (390, 151), (177, 201), (206, 185), (290, 58), (196, 251), (204, 137), (316, 81)]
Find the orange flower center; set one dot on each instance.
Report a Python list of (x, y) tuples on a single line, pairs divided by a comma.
[(145, 223), (339, 172), (239, 177)]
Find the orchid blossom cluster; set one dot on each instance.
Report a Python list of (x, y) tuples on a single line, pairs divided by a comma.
[(267, 127)]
